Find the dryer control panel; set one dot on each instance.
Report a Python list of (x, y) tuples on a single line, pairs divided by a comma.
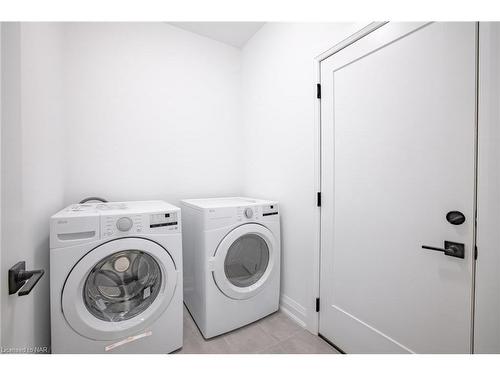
[(255, 212), (218, 213)]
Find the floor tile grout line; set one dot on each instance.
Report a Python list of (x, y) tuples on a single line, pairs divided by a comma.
[(261, 326), (269, 347), (256, 325)]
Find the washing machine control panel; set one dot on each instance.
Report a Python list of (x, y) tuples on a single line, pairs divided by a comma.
[(137, 224), (117, 225)]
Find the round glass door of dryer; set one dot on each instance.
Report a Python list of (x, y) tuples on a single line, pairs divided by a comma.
[(244, 261), (118, 288)]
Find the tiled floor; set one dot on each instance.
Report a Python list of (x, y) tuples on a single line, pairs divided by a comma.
[(275, 334)]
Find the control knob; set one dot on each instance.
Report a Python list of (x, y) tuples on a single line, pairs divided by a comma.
[(124, 224), (248, 213)]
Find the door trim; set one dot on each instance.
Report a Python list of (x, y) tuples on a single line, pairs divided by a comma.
[(476, 168), (313, 321), (313, 318), (1, 210)]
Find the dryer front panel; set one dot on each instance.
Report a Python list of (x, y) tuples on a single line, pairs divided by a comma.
[(119, 288), (244, 261)]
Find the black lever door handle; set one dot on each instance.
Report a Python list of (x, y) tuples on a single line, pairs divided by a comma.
[(19, 278), (33, 278), (453, 249)]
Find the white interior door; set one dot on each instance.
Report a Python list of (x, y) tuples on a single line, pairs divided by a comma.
[(398, 118)]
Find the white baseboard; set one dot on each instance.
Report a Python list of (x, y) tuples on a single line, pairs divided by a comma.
[(294, 310)]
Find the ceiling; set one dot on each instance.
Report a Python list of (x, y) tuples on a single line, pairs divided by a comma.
[(235, 34)]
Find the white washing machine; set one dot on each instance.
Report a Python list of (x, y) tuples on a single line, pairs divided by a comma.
[(116, 278), (231, 261)]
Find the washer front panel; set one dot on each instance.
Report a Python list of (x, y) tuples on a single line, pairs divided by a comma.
[(124, 298), (244, 261)]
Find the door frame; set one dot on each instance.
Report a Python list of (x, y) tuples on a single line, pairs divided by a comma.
[(1, 126), (314, 291), (313, 321)]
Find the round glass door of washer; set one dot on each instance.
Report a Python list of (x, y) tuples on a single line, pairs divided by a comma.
[(122, 285), (244, 261), (119, 288)]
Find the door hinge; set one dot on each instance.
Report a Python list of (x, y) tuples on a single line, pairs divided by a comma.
[(475, 252), (318, 90), (317, 304), (318, 199)]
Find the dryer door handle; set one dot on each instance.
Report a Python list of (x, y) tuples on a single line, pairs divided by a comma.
[(211, 263)]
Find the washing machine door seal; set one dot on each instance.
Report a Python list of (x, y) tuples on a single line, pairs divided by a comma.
[(244, 261), (149, 288)]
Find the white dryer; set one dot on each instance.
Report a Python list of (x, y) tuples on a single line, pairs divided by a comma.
[(116, 278), (231, 261)]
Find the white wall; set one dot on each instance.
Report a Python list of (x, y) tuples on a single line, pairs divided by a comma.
[(32, 173), (123, 111), (278, 88), (152, 112)]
